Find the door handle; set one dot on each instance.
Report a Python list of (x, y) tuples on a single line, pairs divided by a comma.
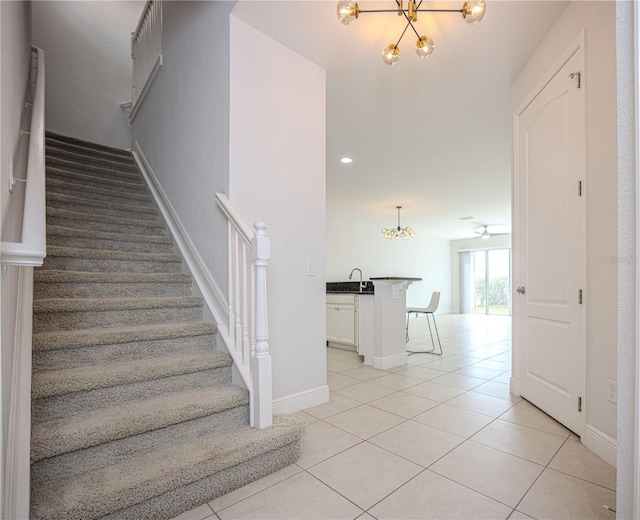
[(520, 290)]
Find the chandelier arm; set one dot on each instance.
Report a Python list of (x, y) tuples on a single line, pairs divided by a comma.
[(406, 11), (405, 30), (409, 23)]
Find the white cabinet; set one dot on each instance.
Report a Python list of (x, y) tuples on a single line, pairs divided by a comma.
[(342, 323), (350, 322)]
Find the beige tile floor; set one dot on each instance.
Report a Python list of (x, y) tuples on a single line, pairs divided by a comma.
[(438, 438)]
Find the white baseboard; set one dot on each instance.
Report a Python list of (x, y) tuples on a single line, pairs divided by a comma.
[(601, 444), (385, 363), (296, 402)]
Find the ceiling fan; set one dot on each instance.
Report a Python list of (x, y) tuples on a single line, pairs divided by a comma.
[(484, 232)]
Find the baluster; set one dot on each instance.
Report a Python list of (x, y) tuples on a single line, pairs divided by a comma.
[(237, 288), (246, 300), (231, 310), (261, 362)]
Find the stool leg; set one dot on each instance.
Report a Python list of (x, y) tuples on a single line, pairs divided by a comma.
[(406, 337), (433, 345), (437, 334)]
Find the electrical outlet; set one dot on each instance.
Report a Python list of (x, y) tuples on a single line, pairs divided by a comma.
[(612, 391)]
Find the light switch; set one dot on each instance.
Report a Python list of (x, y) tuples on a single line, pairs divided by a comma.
[(311, 267)]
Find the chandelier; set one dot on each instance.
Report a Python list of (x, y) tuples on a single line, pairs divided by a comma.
[(398, 232), (472, 12)]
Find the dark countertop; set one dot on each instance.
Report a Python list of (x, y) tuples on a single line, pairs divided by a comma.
[(397, 278), (350, 287)]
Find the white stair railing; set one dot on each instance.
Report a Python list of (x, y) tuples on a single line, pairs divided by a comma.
[(18, 261), (247, 324), (146, 52)]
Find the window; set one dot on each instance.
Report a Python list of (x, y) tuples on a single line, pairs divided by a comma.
[(490, 281)]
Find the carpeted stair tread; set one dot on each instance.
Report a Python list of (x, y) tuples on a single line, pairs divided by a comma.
[(73, 464), (54, 139), (52, 275), (58, 382), (53, 283), (80, 338), (95, 205), (85, 178), (105, 254), (81, 403), (63, 231), (95, 192), (105, 240), (89, 313), (111, 304), (63, 164), (91, 156), (51, 438), (151, 224), (123, 485), (55, 275)]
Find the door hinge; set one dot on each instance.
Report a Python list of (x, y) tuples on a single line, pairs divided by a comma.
[(579, 188), (580, 296), (578, 76), (579, 404)]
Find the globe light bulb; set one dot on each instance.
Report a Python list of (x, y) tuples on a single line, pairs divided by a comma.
[(473, 11), (391, 54), (347, 11), (424, 47)]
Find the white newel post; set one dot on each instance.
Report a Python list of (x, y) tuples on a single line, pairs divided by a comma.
[(262, 413)]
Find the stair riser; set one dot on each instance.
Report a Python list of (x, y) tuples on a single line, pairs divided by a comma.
[(150, 229), (120, 353), (110, 266), (68, 405), (110, 245), (50, 321), (75, 464), (109, 290), (103, 194), (104, 208), (54, 147)]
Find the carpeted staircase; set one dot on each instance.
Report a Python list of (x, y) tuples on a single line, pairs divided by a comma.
[(134, 414)]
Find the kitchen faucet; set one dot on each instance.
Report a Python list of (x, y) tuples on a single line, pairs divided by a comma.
[(362, 284)]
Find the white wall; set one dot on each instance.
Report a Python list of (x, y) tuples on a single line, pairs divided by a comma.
[(598, 21), (470, 244), (183, 124), (277, 175), (88, 50), (361, 244)]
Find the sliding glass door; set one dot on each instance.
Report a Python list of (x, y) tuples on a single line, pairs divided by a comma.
[(491, 281)]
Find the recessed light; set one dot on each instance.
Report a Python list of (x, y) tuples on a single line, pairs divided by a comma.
[(465, 218), (346, 160)]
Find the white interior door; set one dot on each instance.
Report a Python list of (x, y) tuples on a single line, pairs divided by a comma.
[(549, 211)]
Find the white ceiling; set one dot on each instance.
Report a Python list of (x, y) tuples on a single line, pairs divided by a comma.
[(432, 135)]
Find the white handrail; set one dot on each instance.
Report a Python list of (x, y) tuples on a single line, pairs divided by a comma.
[(31, 249), (146, 52), (246, 327)]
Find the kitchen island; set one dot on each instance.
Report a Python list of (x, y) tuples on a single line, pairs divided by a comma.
[(369, 317)]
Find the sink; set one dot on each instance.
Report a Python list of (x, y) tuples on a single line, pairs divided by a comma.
[(350, 287)]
